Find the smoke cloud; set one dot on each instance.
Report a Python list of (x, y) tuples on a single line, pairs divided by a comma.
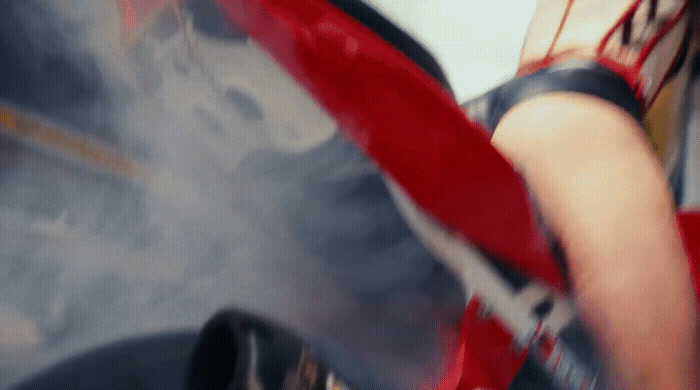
[(231, 204)]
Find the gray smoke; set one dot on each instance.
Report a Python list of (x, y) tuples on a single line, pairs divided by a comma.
[(220, 217)]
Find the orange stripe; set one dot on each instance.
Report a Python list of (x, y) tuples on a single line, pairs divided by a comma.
[(90, 152)]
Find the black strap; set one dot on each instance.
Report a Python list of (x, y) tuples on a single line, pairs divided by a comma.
[(574, 76)]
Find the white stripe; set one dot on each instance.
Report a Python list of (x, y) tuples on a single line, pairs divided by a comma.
[(479, 278)]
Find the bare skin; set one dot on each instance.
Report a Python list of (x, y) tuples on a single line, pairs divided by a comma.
[(598, 182)]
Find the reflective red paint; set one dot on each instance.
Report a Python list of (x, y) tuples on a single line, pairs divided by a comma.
[(416, 132), (487, 361), (406, 123), (689, 224)]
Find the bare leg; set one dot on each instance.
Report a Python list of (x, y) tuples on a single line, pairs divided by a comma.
[(604, 193)]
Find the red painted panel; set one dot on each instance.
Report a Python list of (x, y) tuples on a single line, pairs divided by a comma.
[(485, 359), (405, 122), (689, 224)]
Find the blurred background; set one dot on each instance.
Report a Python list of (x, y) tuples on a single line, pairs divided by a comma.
[(157, 166)]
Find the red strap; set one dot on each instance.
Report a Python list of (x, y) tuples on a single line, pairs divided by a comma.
[(405, 122)]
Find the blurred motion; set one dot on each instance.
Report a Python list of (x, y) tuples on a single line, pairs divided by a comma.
[(157, 166), (154, 172)]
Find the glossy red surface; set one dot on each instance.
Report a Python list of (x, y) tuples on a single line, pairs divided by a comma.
[(485, 358), (416, 133), (689, 224), (406, 123)]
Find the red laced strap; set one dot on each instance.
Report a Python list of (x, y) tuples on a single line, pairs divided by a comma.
[(633, 74)]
